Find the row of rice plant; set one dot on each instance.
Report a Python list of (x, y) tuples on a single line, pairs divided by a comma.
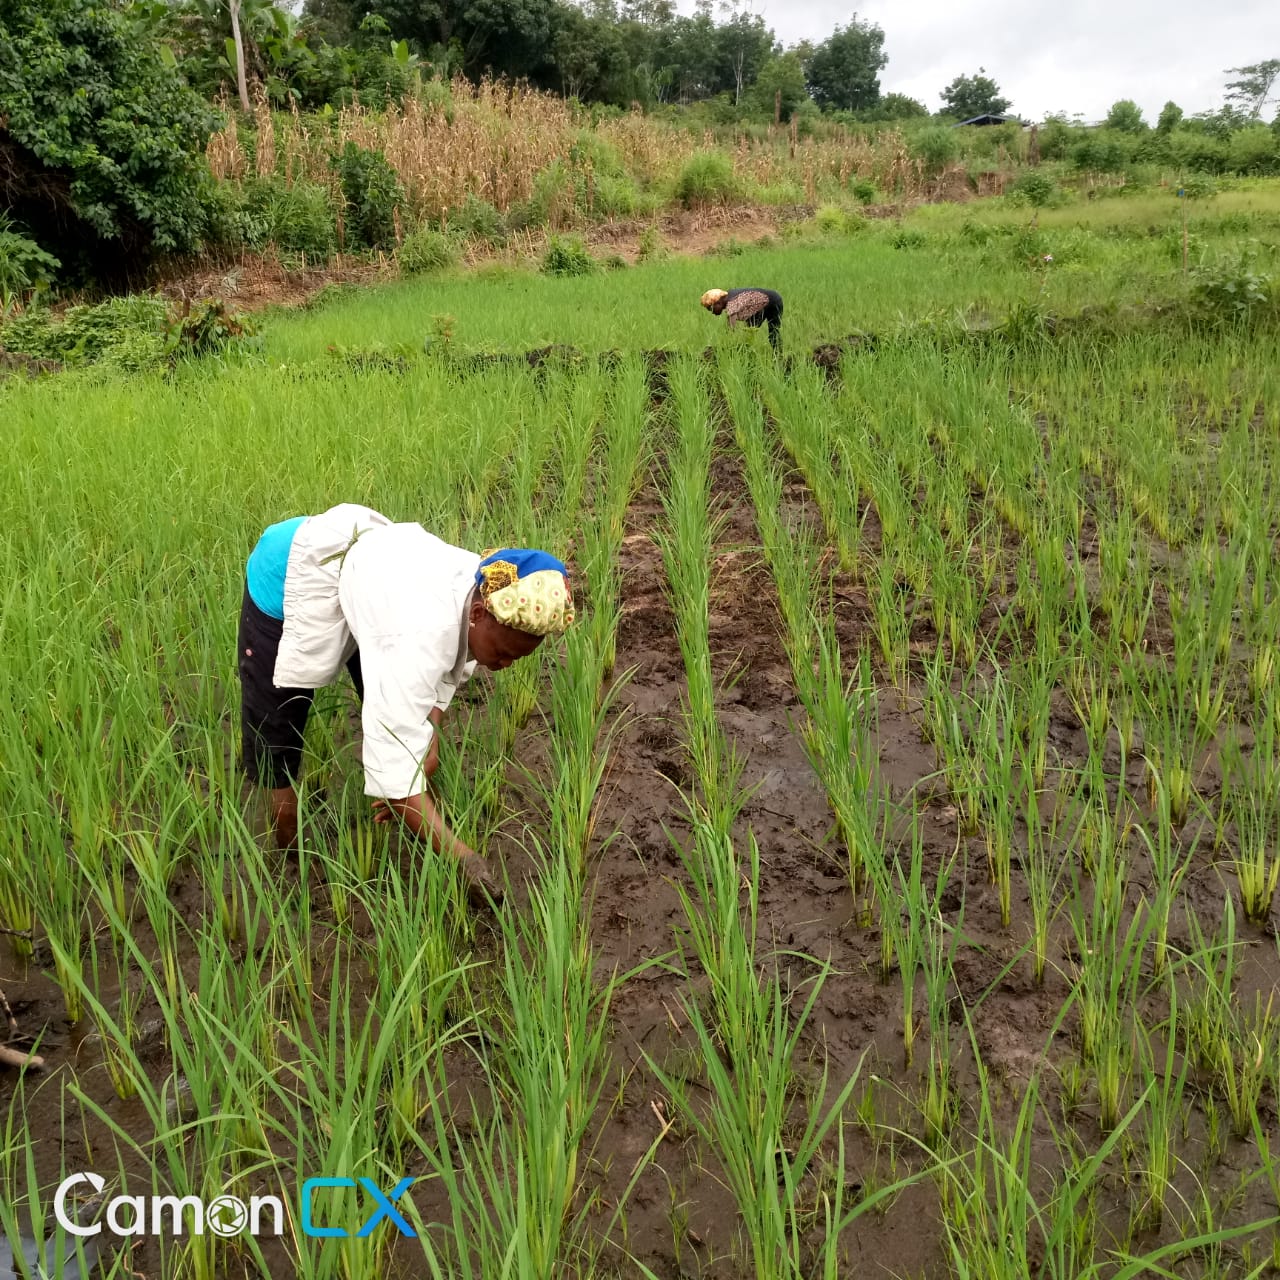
[(296, 1023), (769, 1122), (1101, 830)]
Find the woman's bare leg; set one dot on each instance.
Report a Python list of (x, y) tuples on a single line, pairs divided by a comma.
[(284, 817)]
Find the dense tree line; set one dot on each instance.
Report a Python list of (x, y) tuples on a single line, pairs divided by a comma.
[(618, 52), (106, 105)]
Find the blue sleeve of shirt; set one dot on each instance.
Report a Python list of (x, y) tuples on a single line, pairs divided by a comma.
[(267, 565)]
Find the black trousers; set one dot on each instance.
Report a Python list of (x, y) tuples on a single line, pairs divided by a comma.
[(772, 316), (272, 721)]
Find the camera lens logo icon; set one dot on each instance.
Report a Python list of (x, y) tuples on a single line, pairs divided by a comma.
[(226, 1216)]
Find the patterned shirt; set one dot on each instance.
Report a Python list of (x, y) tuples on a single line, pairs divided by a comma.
[(746, 304), (755, 307)]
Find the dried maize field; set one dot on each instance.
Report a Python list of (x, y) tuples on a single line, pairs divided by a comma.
[(892, 843)]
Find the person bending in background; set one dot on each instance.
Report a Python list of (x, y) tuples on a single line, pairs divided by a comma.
[(750, 306), (410, 617)]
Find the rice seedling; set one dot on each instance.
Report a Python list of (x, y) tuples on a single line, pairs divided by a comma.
[(1257, 866), (422, 939), (1166, 1077), (892, 622), (1215, 962), (994, 743), (941, 940), (62, 917), (790, 547), (552, 1081), (1245, 1052), (911, 920), (1169, 865), (837, 738), (1043, 870), (1169, 722), (1108, 968), (1271, 1171)]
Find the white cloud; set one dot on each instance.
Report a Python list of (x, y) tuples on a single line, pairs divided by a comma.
[(1077, 57)]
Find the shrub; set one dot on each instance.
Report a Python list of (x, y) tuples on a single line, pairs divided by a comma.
[(1236, 223), (730, 248), (706, 178), (380, 78), (370, 193), (614, 196), (831, 220), (567, 256), (1198, 186), (1102, 152), (207, 328), (1171, 244), (24, 266), (477, 219), (864, 191), (128, 333), (1035, 188), (590, 150), (652, 246), (1254, 150), (980, 233), (908, 238), (102, 148), (935, 147), (1230, 289), (1197, 152), (778, 193), (427, 250), (297, 218), (551, 202)]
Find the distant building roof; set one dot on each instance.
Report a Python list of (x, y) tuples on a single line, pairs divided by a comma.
[(989, 117)]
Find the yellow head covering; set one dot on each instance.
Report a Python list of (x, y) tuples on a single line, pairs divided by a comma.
[(526, 590), (712, 296)]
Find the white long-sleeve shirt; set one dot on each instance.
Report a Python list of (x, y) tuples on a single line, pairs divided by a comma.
[(399, 594)]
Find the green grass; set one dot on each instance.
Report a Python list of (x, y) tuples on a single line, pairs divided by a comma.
[(1046, 560), (1107, 252)]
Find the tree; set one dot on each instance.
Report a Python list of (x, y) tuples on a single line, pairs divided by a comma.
[(1252, 91), (1170, 118), (102, 147), (1254, 149), (506, 37), (693, 53), (241, 41), (586, 52), (743, 43), (781, 83), (332, 21), (843, 71), (969, 96), (1220, 124), (897, 106), (1126, 116)]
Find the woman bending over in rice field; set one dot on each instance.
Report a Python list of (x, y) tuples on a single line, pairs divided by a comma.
[(411, 618), (749, 306)]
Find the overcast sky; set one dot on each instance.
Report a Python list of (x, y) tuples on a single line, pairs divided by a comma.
[(1073, 56)]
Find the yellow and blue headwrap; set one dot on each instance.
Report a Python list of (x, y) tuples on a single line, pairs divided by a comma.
[(526, 590)]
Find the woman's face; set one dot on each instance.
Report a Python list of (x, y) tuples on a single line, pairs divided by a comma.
[(494, 645)]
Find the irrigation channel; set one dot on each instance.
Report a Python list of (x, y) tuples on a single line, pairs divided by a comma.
[(893, 844)]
